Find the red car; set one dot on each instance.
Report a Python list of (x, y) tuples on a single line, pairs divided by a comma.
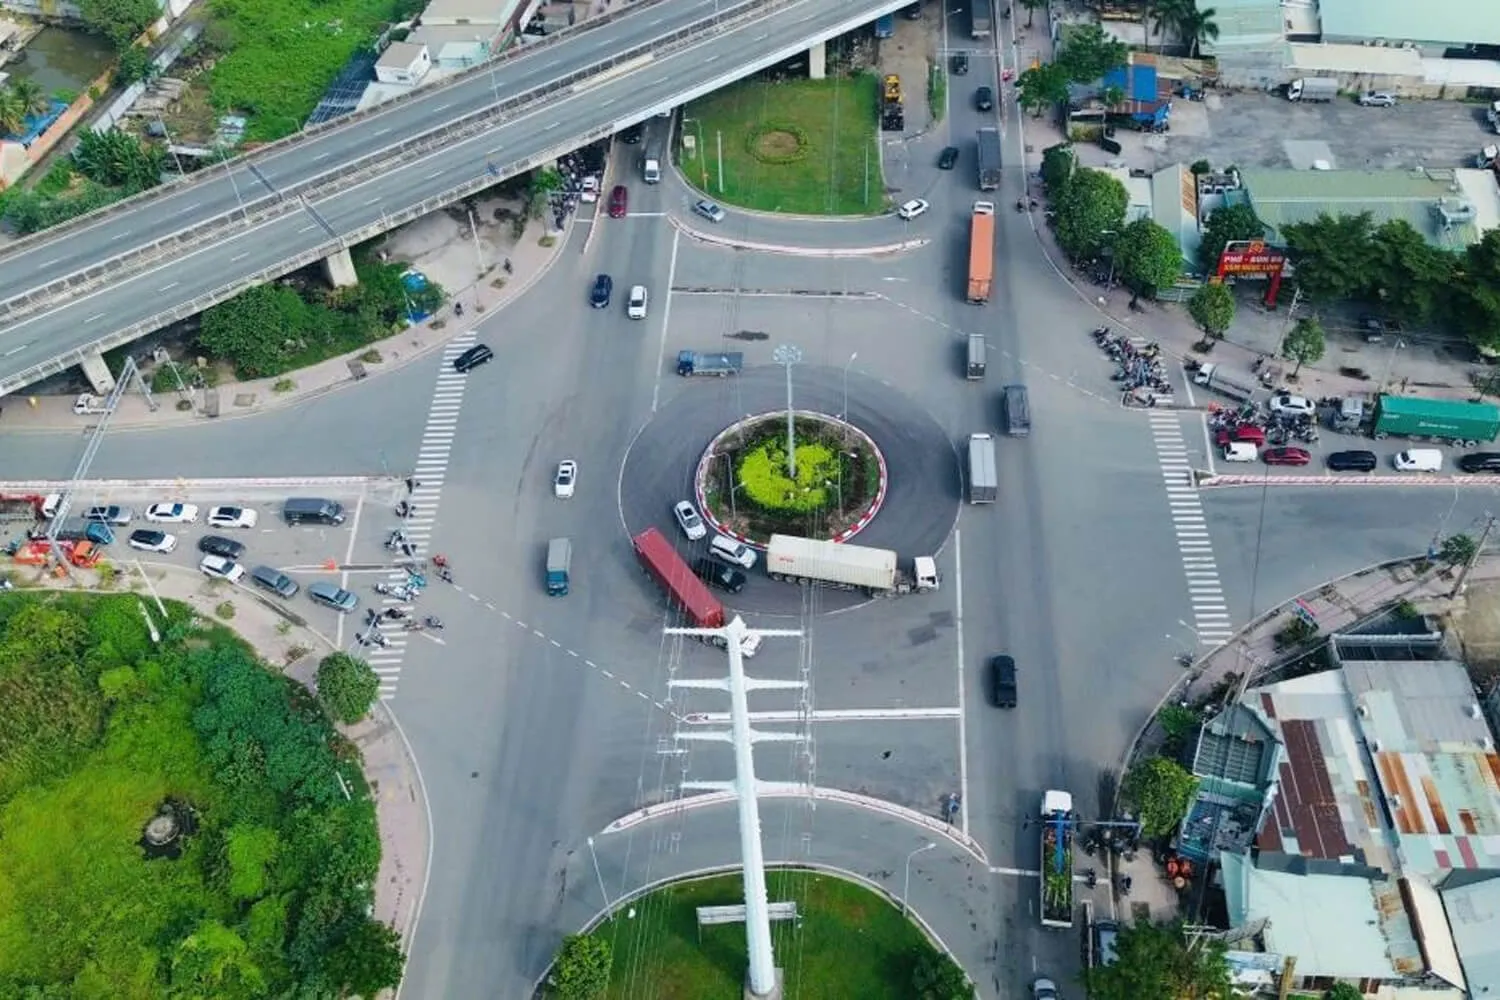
[(1286, 456), (1248, 433), (618, 202)]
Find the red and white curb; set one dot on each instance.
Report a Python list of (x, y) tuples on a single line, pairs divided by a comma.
[(1219, 482), (705, 463)]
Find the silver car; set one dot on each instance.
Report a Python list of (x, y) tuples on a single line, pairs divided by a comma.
[(689, 521), (332, 595), (709, 210)]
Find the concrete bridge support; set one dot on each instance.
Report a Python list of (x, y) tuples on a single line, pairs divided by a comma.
[(97, 372), (817, 61), (339, 268)]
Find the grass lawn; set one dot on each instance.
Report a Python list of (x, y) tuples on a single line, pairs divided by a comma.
[(836, 170), (849, 942)]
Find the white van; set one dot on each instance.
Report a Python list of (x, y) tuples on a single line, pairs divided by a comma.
[(1240, 451), (729, 550), (1419, 460)]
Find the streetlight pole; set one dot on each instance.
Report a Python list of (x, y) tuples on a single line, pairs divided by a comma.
[(788, 355), (474, 230), (1390, 359), (844, 414), (608, 906), (906, 881)]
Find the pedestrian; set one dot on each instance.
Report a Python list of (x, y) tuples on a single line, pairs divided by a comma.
[(412, 484)]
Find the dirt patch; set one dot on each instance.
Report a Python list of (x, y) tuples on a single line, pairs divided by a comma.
[(776, 145), (1478, 628)]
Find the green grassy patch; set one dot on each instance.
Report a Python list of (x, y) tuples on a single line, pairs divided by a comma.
[(797, 146), (763, 475), (848, 942), (937, 92)]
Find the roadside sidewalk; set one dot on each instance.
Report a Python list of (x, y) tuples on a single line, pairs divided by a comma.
[(493, 290), (389, 766)]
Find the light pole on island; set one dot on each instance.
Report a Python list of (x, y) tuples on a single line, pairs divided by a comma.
[(906, 881), (788, 355)]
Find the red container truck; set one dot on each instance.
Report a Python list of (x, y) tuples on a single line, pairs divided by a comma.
[(684, 590)]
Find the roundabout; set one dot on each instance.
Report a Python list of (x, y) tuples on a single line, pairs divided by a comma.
[(900, 492)]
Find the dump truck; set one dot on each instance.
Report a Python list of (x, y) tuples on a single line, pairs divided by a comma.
[(847, 567), (559, 565), (984, 484), (989, 159), (707, 363), (684, 590), (1057, 825), (1456, 420), (1313, 89), (892, 114), (981, 251), (1215, 377)]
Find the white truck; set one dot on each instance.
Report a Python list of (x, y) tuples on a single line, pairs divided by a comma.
[(847, 567), (1313, 89), (984, 483), (1213, 376)]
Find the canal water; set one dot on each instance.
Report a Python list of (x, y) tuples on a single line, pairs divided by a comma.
[(62, 59)]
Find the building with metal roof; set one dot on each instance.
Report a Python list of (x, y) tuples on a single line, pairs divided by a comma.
[(1353, 925), (1235, 759), (1473, 910), (1433, 26), (1434, 202)]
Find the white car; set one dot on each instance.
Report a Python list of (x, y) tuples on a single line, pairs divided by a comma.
[(151, 540), (172, 513), (565, 479), (1044, 989), (912, 209), (219, 568), (231, 517), (732, 551), (636, 308), (689, 521), (1292, 405), (1240, 451)]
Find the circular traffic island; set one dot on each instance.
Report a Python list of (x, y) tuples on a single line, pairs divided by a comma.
[(752, 487), (845, 940)]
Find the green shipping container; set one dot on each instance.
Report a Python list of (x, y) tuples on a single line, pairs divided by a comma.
[(1445, 419)]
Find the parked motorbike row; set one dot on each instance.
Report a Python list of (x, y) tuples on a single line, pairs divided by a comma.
[(1248, 423), (1135, 367)]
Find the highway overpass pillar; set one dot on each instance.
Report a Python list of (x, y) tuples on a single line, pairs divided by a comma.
[(340, 269), (97, 372), (817, 62)]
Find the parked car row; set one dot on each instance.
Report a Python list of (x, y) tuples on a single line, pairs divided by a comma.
[(1238, 449)]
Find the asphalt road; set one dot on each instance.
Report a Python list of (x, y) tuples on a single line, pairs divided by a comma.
[(612, 103)]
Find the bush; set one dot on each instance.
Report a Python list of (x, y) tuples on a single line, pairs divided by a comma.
[(581, 969), (224, 610), (762, 475), (347, 687)]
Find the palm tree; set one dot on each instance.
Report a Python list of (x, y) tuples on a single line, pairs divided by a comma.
[(1167, 14), (33, 99), (1197, 25), (12, 113)]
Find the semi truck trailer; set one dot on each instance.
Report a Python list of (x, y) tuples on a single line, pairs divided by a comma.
[(847, 567), (1456, 420), (981, 251), (989, 159), (684, 590)]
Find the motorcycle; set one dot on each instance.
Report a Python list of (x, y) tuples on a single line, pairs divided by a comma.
[(372, 638), (433, 622), (395, 540), (400, 592)]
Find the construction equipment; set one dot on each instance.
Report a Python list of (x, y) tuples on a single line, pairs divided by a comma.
[(892, 114)]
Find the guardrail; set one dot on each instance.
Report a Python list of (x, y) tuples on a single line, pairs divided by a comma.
[(349, 174)]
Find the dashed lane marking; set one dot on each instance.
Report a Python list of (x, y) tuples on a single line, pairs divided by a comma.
[(1211, 619)]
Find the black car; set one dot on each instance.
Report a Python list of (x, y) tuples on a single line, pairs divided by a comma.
[(1353, 461), (947, 158), (218, 545), (984, 99), (716, 574), (632, 135), (599, 295), (1003, 679), (960, 63), (472, 358), (1481, 461)]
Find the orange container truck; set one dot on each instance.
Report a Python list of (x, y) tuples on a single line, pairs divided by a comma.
[(981, 251)]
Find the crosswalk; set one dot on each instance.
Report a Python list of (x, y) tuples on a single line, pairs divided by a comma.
[(1210, 614), (428, 472)]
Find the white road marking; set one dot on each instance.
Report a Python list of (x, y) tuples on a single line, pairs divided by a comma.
[(666, 315), (1211, 620), (963, 745)]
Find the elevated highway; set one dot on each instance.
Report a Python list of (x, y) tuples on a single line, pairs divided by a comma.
[(170, 253)]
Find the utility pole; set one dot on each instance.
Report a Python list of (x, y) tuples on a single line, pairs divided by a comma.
[(1463, 575), (719, 141), (788, 355), (763, 978)]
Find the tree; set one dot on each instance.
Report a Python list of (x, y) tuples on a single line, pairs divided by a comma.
[(12, 113), (347, 687), (33, 99), (1146, 257), (1043, 87), (1089, 53), (581, 969), (935, 976), (1343, 991), (1157, 960), (1474, 305), (1212, 308), (1032, 6), (1196, 26), (1305, 344), (1331, 255), (1160, 790), (1410, 276), (1058, 164), (118, 159), (1226, 225), (135, 66), (367, 960), (254, 328), (120, 21), (1092, 205), (1458, 550)]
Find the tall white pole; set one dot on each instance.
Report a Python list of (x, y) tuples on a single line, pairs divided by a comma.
[(478, 253), (757, 911), (906, 882), (844, 415), (788, 355)]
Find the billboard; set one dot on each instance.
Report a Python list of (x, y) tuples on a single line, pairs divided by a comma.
[(1254, 259)]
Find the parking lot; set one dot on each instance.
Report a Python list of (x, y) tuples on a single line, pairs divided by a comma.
[(1266, 130), (349, 555)]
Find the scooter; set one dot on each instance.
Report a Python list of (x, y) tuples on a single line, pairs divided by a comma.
[(396, 590), (433, 622), (372, 638)]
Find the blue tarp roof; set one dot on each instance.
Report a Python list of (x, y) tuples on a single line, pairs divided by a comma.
[(35, 125), (1138, 82)]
